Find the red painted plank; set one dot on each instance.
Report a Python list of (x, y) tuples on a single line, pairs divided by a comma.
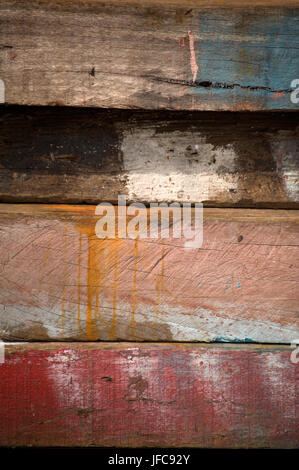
[(148, 395)]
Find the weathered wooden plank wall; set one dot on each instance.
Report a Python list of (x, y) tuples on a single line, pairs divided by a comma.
[(148, 395), (59, 281), (155, 55), (162, 60), (221, 159)]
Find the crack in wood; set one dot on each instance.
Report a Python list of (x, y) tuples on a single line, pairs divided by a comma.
[(216, 85)]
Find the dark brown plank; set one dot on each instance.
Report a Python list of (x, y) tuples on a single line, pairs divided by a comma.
[(78, 155)]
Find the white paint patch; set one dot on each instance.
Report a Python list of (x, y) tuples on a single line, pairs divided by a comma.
[(2, 92), (286, 155), (64, 357), (202, 325), (14, 343), (176, 321), (275, 369), (167, 169), (66, 378)]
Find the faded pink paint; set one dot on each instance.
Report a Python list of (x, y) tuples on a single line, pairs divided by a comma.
[(278, 94), (71, 291), (193, 63)]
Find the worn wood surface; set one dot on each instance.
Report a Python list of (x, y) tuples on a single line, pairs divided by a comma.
[(222, 159), (60, 282), (132, 395), (174, 55)]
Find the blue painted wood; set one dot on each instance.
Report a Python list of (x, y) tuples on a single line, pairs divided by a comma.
[(249, 56)]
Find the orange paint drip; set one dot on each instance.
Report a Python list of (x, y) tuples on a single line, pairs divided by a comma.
[(64, 279), (100, 263), (92, 287), (134, 287), (79, 282), (89, 323), (102, 268), (160, 283), (113, 322), (102, 259)]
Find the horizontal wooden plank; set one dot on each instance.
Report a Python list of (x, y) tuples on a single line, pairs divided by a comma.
[(60, 282), (132, 395), (156, 55), (75, 155), (194, 3)]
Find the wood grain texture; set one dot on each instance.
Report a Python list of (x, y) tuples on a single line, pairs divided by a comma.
[(132, 395), (173, 55), (77, 155), (60, 282)]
